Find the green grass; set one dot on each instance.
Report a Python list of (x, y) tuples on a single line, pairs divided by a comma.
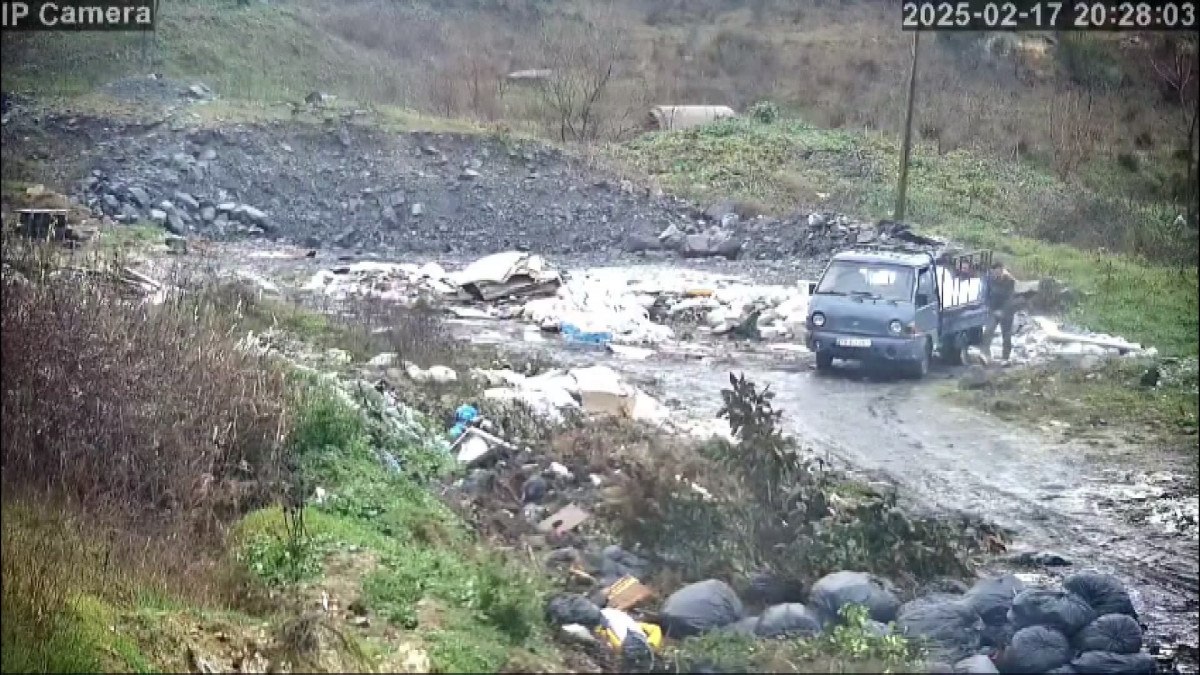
[(487, 609), (980, 201), (1110, 396), (130, 237), (260, 52), (848, 648), (56, 619)]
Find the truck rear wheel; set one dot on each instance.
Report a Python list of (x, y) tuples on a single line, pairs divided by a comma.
[(954, 349)]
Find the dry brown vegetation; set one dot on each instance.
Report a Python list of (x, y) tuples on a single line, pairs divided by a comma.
[(132, 435), (121, 404)]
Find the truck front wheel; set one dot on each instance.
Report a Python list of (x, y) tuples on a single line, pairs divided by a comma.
[(920, 368), (824, 362)]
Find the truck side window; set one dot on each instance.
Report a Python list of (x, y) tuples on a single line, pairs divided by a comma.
[(925, 289)]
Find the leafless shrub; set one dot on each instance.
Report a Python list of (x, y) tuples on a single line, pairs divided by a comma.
[(584, 57), (1177, 65), (1068, 121), (145, 410)]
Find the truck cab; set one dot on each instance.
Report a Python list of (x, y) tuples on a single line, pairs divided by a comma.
[(897, 307)]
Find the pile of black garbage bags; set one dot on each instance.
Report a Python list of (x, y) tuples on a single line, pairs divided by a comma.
[(999, 625)]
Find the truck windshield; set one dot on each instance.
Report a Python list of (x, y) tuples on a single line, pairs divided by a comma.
[(881, 282)]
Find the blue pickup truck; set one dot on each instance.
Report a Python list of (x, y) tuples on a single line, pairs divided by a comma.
[(898, 306)]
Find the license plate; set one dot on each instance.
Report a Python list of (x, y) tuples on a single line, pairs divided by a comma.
[(853, 342)]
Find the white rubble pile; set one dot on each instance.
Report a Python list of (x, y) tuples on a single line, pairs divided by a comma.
[(617, 304), (1039, 339), (618, 301), (396, 282), (556, 393)]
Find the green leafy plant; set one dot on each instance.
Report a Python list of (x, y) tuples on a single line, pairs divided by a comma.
[(764, 112)]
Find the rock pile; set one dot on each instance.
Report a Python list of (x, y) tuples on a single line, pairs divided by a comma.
[(350, 187), (179, 211), (355, 188)]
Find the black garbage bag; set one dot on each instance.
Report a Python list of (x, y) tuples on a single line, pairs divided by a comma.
[(1061, 610), (977, 665), (997, 636), (1106, 663), (766, 588), (746, 627), (877, 628), (1062, 670), (1035, 649), (636, 655), (1116, 633), (948, 627), (1102, 592), (992, 598), (791, 619), (616, 562), (570, 608), (834, 591), (698, 608)]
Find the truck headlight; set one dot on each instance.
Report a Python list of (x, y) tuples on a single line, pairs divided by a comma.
[(818, 319), (896, 327)]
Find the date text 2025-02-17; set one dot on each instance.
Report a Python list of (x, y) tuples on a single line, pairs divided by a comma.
[(1047, 15)]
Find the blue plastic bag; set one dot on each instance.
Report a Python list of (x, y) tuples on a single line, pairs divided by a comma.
[(465, 414), (572, 333)]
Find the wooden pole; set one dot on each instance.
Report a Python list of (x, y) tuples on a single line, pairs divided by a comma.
[(905, 148)]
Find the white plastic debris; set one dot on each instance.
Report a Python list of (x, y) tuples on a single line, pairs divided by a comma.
[(384, 360), (561, 471)]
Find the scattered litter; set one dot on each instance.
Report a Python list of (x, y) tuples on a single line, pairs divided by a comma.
[(564, 520), (627, 593), (630, 352), (572, 333), (507, 274)]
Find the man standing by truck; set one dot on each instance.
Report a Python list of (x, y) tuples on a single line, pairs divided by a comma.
[(1001, 296)]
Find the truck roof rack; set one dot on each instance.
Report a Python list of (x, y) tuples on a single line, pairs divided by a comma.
[(965, 262), (893, 247)]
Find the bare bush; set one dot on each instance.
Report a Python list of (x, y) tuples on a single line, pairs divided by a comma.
[(1177, 65), (1068, 122), (584, 57), (145, 410)]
